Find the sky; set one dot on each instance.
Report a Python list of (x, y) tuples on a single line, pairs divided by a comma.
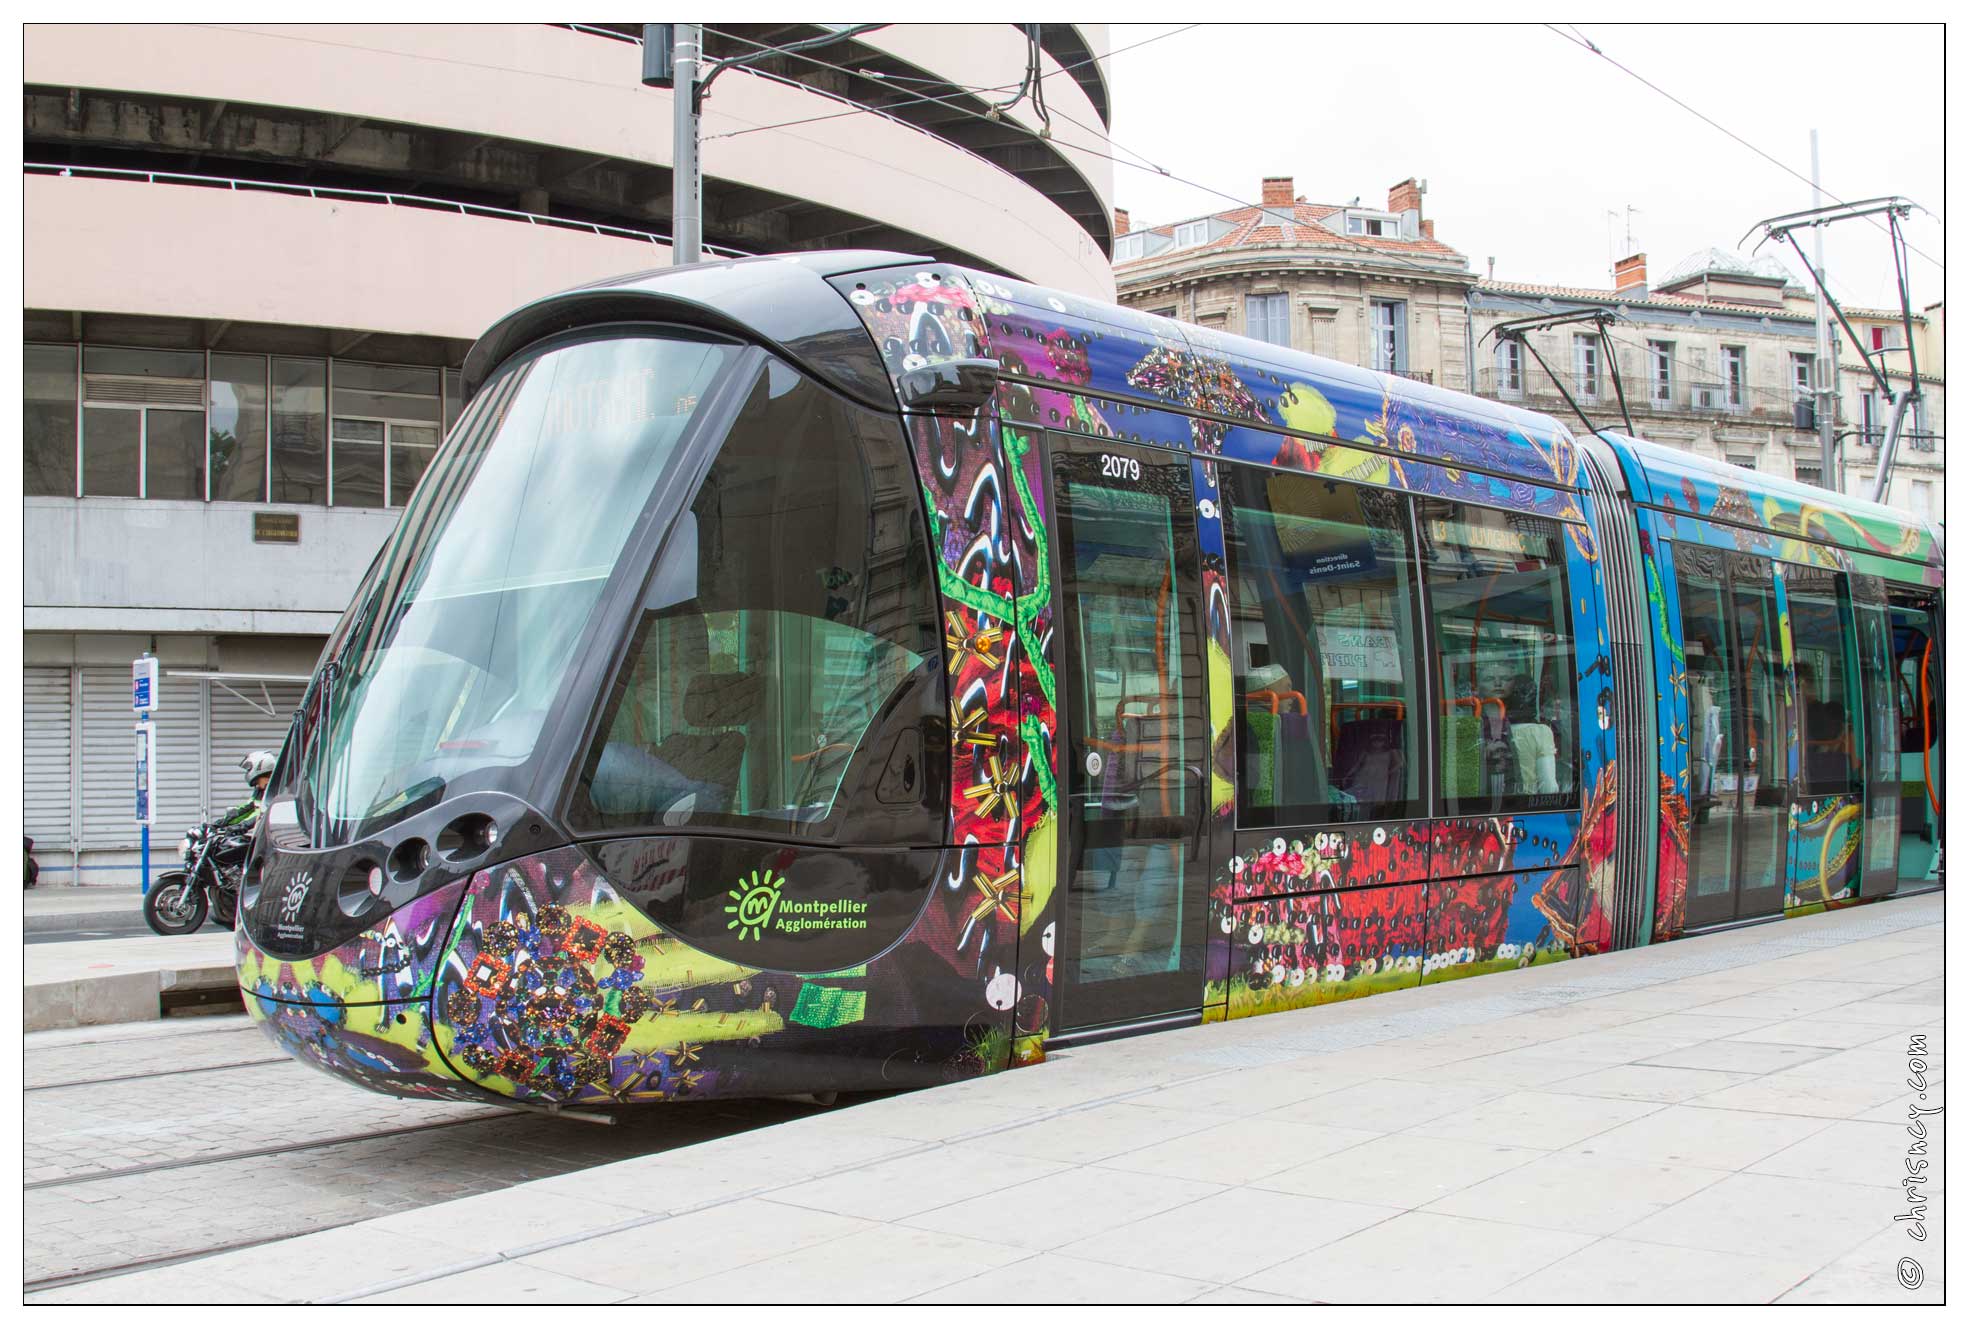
[(1527, 140)]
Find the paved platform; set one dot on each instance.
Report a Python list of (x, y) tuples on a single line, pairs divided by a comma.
[(66, 909), (1722, 1119), (71, 983)]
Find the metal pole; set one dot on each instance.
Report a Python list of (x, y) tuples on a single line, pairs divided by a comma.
[(686, 183), (1888, 446), (1826, 370), (143, 884)]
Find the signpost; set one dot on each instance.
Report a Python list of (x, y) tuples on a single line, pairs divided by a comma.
[(144, 700)]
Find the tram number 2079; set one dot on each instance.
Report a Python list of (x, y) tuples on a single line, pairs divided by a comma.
[(1120, 468)]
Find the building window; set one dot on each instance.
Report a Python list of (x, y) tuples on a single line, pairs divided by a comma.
[(1808, 475), (1921, 497), (1388, 327), (1871, 416), (1661, 373), (453, 391), (1739, 457), (1801, 373), (143, 423), (1502, 627), (299, 418), (1328, 683), (1586, 366), (1510, 369), (236, 428), (1375, 226), (1192, 233), (387, 421), (1127, 247), (48, 421), (1733, 377), (1268, 318)]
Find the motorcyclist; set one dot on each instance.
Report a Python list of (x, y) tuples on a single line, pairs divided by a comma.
[(258, 767)]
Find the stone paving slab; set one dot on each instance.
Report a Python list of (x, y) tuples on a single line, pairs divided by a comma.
[(1668, 1124)]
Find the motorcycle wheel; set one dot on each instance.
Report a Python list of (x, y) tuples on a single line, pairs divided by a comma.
[(174, 906)]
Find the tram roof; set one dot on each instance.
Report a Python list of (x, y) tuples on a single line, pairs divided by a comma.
[(787, 303), (1680, 481)]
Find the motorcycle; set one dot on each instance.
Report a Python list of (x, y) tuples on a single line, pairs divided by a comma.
[(179, 900)]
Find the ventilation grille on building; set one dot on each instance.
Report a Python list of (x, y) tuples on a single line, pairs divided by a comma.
[(140, 390), (1635, 803)]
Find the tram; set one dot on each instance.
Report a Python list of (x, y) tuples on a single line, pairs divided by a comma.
[(845, 670)]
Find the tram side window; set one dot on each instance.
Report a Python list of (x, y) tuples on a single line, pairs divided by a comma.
[(1823, 662), (1504, 653), (1327, 673), (788, 631)]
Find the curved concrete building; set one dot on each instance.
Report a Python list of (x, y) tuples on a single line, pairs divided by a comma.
[(257, 253)]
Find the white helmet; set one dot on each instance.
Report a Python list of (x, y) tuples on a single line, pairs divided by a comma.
[(257, 764)]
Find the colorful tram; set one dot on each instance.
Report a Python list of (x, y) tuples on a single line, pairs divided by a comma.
[(844, 670)]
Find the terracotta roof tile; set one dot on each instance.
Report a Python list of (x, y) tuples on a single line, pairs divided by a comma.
[(1262, 226)]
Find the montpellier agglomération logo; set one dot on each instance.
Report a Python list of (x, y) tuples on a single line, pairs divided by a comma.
[(753, 903)]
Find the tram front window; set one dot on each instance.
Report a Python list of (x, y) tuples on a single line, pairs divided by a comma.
[(446, 664), (785, 656)]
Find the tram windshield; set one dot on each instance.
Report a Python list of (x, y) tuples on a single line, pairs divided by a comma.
[(447, 663)]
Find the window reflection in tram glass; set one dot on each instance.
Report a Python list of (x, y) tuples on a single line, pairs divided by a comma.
[(1497, 597), (1761, 777), (1714, 733), (1822, 651), (791, 607), (1327, 684)]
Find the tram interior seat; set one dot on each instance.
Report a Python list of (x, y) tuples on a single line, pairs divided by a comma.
[(1463, 756), (1282, 765), (1369, 761)]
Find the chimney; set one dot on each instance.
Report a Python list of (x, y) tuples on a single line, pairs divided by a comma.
[(1121, 226), (1428, 229), (1630, 276), (1277, 191), (1405, 201)]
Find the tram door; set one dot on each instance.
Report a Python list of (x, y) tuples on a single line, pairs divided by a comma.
[(1738, 754), (1916, 626), (1881, 733), (1134, 747)]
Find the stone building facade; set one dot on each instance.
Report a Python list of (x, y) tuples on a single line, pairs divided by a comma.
[(1367, 285), (1718, 356)]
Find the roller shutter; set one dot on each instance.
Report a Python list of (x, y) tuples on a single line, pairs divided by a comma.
[(109, 759), (45, 775), (241, 723)]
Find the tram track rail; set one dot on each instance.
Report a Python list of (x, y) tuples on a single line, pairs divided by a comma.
[(270, 1151), (156, 1075)]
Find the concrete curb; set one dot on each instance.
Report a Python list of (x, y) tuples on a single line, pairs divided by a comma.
[(119, 998)]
